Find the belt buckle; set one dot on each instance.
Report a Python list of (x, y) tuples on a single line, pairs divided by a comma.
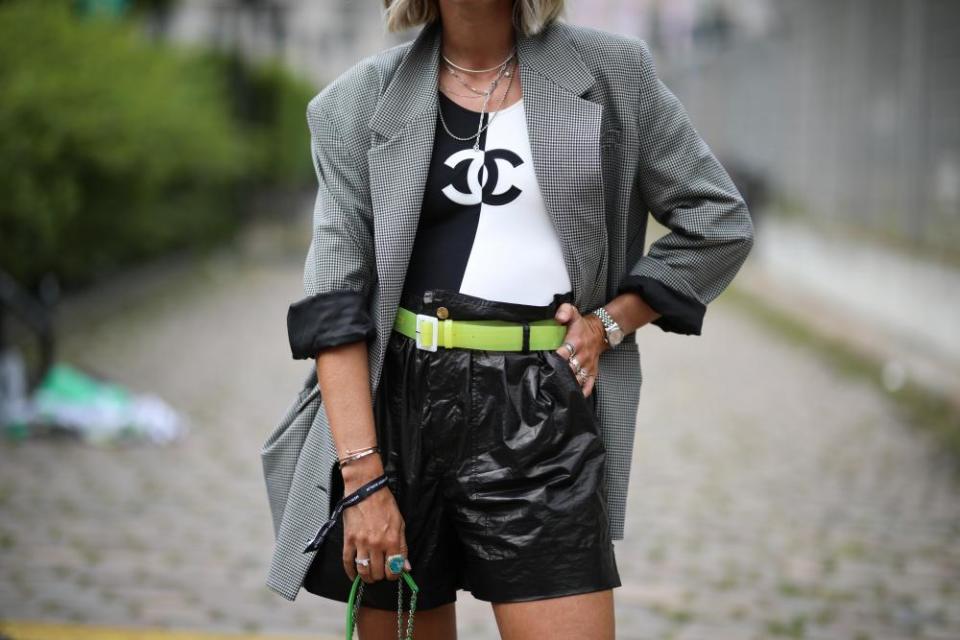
[(435, 323)]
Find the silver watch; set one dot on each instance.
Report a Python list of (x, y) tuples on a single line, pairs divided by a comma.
[(614, 332)]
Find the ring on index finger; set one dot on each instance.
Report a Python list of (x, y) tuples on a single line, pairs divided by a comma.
[(572, 349), (362, 562)]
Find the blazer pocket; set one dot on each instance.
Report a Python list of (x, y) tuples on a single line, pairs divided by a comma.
[(281, 451)]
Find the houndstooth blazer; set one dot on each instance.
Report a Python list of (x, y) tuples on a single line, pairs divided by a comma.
[(610, 142)]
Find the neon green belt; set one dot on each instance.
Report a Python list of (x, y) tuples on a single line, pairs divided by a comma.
[(431, 332)]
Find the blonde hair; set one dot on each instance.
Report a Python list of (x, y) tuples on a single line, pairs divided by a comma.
[(529, 16)]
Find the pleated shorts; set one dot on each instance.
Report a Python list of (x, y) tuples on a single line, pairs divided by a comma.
[(496, 461)]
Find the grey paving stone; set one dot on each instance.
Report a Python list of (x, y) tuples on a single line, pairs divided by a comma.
[(771, 496)]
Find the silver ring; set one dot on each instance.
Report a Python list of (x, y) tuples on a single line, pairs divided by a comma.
[(572, 349), (363, 562), (576, 363), (585, 373)]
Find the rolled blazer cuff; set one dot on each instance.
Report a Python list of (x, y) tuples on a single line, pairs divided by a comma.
[(679, 313), (326, 320)]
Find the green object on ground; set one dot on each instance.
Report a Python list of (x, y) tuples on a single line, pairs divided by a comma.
[(100, 411), (65, 383), (69, 400)]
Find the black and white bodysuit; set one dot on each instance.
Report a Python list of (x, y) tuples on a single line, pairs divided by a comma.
[(484, 229)]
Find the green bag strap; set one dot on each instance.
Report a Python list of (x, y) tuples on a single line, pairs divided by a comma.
[(356, 591), (351, 603)]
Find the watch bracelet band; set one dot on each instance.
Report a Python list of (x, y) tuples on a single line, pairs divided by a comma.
[(608, 322)]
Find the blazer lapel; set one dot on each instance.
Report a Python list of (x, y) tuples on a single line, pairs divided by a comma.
[(405, 119), (399, 162), (564, 130)]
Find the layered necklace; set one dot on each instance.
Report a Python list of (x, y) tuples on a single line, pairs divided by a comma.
[(506, 68)]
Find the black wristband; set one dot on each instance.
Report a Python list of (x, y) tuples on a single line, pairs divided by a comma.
[(347, 501)]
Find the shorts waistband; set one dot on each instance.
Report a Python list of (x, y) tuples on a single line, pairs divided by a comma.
[(463, 306)]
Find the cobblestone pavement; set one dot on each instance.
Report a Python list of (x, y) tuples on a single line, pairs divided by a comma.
[(771, 497)]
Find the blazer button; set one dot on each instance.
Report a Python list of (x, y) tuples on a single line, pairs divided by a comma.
[(442, 313)]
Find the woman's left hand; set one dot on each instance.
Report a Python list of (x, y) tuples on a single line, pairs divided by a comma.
[(587, 335)]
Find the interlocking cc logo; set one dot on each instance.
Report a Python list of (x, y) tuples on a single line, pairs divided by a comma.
[(483, 177)]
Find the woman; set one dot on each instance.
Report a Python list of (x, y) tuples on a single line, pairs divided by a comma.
[(484, 188)]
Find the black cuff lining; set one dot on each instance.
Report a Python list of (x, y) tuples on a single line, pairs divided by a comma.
[(679, 313), (326, 320)]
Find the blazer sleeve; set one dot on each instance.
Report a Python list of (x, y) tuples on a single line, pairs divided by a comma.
[(687, 190), (339, 267)]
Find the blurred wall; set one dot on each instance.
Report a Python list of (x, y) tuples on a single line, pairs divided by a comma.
[(851, 108)]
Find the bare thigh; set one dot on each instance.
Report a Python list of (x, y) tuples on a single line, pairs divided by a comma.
[(585, 615), (439, 623)]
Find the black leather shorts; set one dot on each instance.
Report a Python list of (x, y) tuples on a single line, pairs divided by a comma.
[(497, 464)]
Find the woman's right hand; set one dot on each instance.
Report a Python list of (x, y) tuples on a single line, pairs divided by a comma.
[(373, 528)]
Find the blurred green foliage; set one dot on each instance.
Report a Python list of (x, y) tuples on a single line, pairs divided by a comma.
[(114, 149), (272, 104)]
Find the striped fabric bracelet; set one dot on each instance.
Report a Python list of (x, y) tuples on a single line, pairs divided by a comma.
[(347, 501)]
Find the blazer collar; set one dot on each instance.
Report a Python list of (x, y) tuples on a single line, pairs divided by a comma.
[(412, 92)]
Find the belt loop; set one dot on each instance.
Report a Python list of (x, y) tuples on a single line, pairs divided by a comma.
[(526, 337)]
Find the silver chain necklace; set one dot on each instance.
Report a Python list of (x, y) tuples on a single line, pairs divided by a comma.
[(469, 96), (490, 90), (496, 66), (480, 126)]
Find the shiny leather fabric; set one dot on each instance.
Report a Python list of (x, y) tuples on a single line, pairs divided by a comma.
[(678, 313), (496, 461), (326, 320)]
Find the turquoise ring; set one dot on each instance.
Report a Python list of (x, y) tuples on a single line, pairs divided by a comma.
[(395, 563)]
